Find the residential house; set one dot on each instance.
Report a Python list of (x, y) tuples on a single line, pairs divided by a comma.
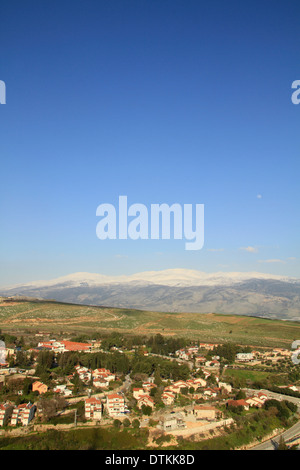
[(102, 377), (210, 392), (239, 403), (145, 400), (225, 386), (199, 360), (93, 408), (100, 383), (138, 392), (207, 346), (205, 412), (39, 387), (172, 422), (214, 363), (84, 373), (168, 397), (196, 383), (62, 346), (63, 390), (148, 386), (255, 402)]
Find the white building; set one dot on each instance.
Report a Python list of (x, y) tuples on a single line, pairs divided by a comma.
[(172, 421), (245, 357), (23, 414), (115, 404), (93, 408)]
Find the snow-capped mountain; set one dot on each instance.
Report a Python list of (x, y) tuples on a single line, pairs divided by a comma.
[(179, 290), (168, 277)]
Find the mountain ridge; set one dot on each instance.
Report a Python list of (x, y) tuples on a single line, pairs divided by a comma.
[(177, 276), (255, 294)]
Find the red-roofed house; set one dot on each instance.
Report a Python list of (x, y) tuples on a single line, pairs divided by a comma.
[(62, 346), (115, 404), (168, 397), (237, 403), (145, 400), (93, 408), (39, 387), (138, 392)]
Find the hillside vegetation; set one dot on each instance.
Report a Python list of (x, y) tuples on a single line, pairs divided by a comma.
[(54, 317)]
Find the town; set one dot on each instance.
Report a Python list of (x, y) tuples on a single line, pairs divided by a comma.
[(171, 388)]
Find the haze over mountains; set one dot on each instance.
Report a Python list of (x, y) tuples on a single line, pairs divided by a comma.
[(177, 290)]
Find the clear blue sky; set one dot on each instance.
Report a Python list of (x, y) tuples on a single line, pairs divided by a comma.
[(160, 100)]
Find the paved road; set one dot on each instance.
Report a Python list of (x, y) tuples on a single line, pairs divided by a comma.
[(291, 433), (272, 443)]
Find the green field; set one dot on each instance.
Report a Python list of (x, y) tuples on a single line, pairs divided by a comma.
[(26, 317), (247, 375)]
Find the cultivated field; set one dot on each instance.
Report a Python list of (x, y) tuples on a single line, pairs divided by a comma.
[(54, 317)]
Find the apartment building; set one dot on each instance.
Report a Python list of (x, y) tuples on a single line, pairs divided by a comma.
[(23, 414), (115, 404), (93, 408)]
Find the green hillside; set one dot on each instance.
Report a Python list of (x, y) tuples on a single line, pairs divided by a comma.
[(28, 317)]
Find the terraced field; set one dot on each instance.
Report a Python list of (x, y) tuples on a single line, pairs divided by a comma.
[(54, 317)]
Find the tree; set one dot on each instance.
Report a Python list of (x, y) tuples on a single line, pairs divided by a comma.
[(282, 445), (126, 423), (241, 395), (50, 407), (117, 423), (146, 410), (27, 386)]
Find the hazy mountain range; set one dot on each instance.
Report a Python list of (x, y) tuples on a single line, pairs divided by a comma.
[(178, 290)]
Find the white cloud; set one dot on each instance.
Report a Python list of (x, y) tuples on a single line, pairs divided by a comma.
[(259, 196), (250, 249)]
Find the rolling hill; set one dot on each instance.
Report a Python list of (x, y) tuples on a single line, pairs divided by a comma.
[(175, 290), (31, 317)]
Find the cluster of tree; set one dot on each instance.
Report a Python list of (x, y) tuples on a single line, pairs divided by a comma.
[(45, 362), (21, 359), (50, 407), (159, 344), (115, 340), (284, 409), (8, 339), (166, 369), (114, 361), (294, 375), (226, 351), (126, 423)]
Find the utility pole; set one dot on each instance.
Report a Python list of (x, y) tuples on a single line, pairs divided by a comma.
[(75, 418)]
